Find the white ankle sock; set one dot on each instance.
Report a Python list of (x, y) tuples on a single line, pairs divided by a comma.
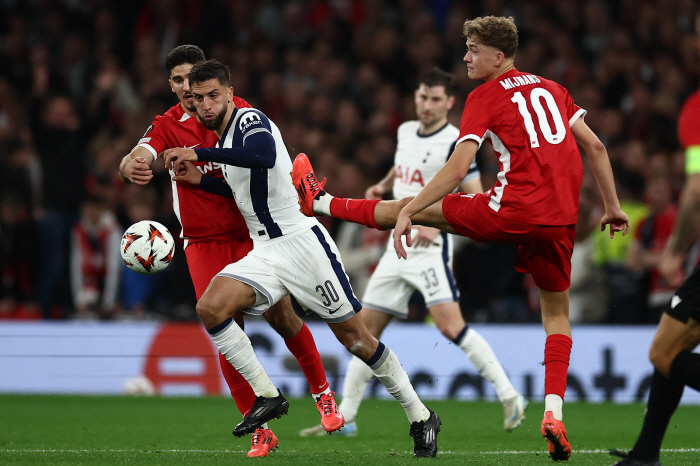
[(482, 356), (236, 348), (555, 404), (390, 373), (316, 396), (322, 204), (357, 377)]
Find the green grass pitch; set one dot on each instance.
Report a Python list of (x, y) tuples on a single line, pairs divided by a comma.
[(72, 430)]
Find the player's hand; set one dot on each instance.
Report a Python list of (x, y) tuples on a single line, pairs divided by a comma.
[(178, 155), (671, 268), (425, 236), (617, 220), (188, 173), (376, 191), (402, 228), (137, 171)]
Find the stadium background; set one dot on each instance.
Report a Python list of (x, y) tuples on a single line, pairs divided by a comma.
[(81, 80)]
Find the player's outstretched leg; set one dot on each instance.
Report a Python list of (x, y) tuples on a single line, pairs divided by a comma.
[(314, 200)]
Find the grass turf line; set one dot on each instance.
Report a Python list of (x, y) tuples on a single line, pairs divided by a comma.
[(60, 430)]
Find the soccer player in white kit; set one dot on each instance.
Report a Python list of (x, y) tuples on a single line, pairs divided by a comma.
[(292, 254), (423, 147)]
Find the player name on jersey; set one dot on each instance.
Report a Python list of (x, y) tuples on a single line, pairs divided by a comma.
[(522, 80)]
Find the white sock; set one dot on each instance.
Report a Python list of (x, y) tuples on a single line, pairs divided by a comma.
[(322, 204), (357, 377), (316, 396), (555, 404), (390, 373), (482, 356), (236, 348)]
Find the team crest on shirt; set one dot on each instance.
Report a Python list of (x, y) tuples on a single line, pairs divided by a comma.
[(249, 119)]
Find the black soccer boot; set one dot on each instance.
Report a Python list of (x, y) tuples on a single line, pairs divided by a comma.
[(424, 435), (263, 410), (627, 461)]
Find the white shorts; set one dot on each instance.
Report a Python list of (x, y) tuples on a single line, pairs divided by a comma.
[(394, 280), (305, 264)]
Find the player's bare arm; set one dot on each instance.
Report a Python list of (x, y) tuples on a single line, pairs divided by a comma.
[(444, 182), (377, 191), (135, 167), (600, 164), (685, 231)]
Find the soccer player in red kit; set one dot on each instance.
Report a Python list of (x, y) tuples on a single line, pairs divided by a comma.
[(534, 127), (215, 235)]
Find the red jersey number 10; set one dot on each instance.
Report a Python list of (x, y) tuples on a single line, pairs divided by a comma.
[(536, 97)]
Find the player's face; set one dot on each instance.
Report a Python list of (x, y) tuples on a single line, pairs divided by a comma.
[(180, 84), (211, 101), (432, 104), (480, 60)]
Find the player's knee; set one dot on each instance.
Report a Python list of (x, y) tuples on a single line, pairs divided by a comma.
[(661, 359), (209, 311)]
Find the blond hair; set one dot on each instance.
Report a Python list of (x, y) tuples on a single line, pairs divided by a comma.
[(495, 31)]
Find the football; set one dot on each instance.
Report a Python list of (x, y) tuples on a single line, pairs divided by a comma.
[(147, 247)]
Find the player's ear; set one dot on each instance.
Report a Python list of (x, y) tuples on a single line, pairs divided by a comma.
[(171, 85), (230, 94), (450, 102), (500, 58)]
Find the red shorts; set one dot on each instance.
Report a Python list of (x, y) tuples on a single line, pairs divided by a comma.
[(206, 259), (544, 251)]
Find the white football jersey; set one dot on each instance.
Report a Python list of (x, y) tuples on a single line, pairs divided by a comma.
[(266, 197), (418, 158)]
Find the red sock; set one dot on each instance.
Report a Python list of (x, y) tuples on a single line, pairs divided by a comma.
[(355, 210), (241, 391), (303, 347), (557, 351)]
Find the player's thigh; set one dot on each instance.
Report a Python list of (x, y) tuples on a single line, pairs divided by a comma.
[(206, 259), (309, 265), (432, 216), (258, 271), (283, 319), (387, 291), (448, 318)]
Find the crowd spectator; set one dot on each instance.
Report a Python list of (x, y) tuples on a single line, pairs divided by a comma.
[(79, 78)]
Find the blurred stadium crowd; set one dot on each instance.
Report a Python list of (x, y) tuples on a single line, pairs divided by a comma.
[(81, 80)]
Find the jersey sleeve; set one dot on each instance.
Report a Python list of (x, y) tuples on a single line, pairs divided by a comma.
[(474, 122), (253, 122), (156, 138), (573, 111)]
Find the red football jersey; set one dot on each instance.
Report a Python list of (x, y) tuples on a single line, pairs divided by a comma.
[(527, 119), (203, 216), (689, 121)]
